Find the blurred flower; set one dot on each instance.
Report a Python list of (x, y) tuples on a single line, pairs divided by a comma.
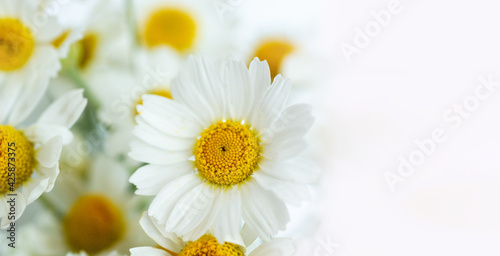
[(121, 92), (31, 155), (28, 59), (184, 26), (171, 245), (224, 149), (96, 216)]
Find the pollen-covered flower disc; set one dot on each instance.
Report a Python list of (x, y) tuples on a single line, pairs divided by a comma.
[(93, 224), (29, 156), (226, 148)]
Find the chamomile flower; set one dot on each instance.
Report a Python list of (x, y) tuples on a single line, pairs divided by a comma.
[(171, 245), (226, 148), (97, 215), (120, 92), (185, 26), (27, 57), (106, 40), (31, 154), (289, 43)]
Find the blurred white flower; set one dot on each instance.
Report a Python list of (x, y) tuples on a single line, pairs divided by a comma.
[(184, 26), (171, 245), (28, 59), (31, 154), (224, 149), (99, 214)]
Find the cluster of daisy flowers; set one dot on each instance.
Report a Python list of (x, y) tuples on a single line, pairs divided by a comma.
[(125, 128)]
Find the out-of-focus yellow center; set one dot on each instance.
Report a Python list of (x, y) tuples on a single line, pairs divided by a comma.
[(93, 224), (164, 92), (172, 27), (88, 48), (16, 44), (60, 39), (227, 153), (207, 245), (274, 51), (17, 158)]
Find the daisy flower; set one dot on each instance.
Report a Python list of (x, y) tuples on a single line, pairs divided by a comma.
[(28, 59), (289, 43), (226, 148), (171, 245), (153, 72), (106, 40), (96, 215), (31, 154), (184, 26)]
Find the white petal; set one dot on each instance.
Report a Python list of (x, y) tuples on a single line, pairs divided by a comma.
[(148, 251), (284, 150), (146, 153), (170, 117), (43, 65), (275, 247), (167, 198), (292, 123), (150, 179), (292, 193), (161, 140), (228, 221), (249, 236), (295, 170), (199, 89), (272, 103), (236, 82), (20, 205), (10, 89), (41, 133), (65, 111), (34, 189), (48, 154), (260, 79), (262, 210), (50, 173), (148, 225), (192, 209)]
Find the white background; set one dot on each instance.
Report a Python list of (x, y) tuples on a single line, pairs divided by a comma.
[(370, 111)]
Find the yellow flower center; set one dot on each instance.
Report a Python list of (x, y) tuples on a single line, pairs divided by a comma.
[(87, 49), (274, 51), (171, 27), (207, 245), (227, 153), (16, 159), (16, 44), (93, 224), (164, 92)]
